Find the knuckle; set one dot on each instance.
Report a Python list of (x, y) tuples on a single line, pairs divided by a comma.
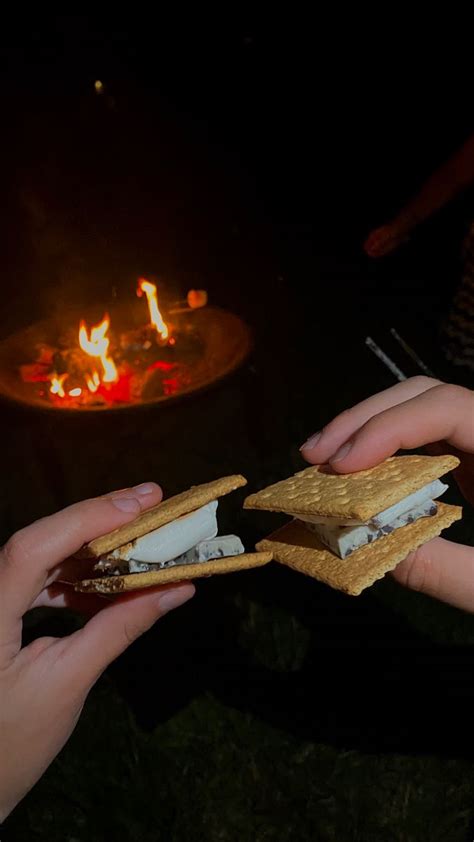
[(16, 549), (449, 393), (416, 574)]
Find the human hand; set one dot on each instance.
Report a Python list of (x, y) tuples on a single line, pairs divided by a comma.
[(384, 240), (43, 686), (419, 411)]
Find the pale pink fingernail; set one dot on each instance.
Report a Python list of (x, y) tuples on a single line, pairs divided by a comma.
[(145, 488), (174, 598), (311, 442), (341, 453), (126, 504)]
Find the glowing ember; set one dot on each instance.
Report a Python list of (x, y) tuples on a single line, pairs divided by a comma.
[(97, 346), (75, 393), (93, 382), (57, 385), (156, 318)]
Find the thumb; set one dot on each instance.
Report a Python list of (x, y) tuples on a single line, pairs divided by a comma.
[(91, 649), (442, 570)]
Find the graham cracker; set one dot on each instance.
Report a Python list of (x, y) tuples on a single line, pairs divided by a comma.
[(361, 495), (163, 513), (297, 547), (180, 573)]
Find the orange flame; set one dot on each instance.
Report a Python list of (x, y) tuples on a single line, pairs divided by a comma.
[(156, 318), (97, 345), (57, 385)]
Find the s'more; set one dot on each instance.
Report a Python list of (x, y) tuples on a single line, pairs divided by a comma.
[(348, 530), (176, 540)]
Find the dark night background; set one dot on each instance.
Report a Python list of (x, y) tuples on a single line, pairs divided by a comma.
[(250, 157)]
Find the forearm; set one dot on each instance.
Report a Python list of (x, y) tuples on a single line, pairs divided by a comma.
[(443, 186)]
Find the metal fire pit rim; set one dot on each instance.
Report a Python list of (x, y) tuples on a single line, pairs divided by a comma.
[(168, 401)]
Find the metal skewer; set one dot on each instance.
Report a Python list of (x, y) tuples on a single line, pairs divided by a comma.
[(411, 353), (397, 372), (195, 300)]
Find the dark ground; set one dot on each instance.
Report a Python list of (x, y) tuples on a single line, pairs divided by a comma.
[(271, 708)]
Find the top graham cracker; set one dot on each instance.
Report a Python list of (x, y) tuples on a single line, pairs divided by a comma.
[(358, 496), (163, 513)]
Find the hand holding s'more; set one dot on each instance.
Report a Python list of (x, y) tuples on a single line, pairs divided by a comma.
[(175, 541), (44, 684), (361, 512)]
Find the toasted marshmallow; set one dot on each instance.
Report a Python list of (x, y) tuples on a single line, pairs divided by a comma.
[(172, 540), (344, 538)]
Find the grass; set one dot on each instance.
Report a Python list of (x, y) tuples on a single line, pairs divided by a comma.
[(216, 774)]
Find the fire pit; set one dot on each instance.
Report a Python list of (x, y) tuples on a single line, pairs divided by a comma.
[(141, 352)]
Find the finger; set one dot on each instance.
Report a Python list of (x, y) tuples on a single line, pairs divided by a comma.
[(28, 557), (64, 596), (442, 413), (320, 447), (70, 570), (442, 570), (464, 474), (89, 651)]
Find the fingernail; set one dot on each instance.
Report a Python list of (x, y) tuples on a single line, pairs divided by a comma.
[(341, 453), (174, 598), (145, 488), (126, 504), (311, 442)]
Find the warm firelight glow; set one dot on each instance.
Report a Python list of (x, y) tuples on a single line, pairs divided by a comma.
[(156, 318), (57, 385), (97, 346), (144, 358)]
